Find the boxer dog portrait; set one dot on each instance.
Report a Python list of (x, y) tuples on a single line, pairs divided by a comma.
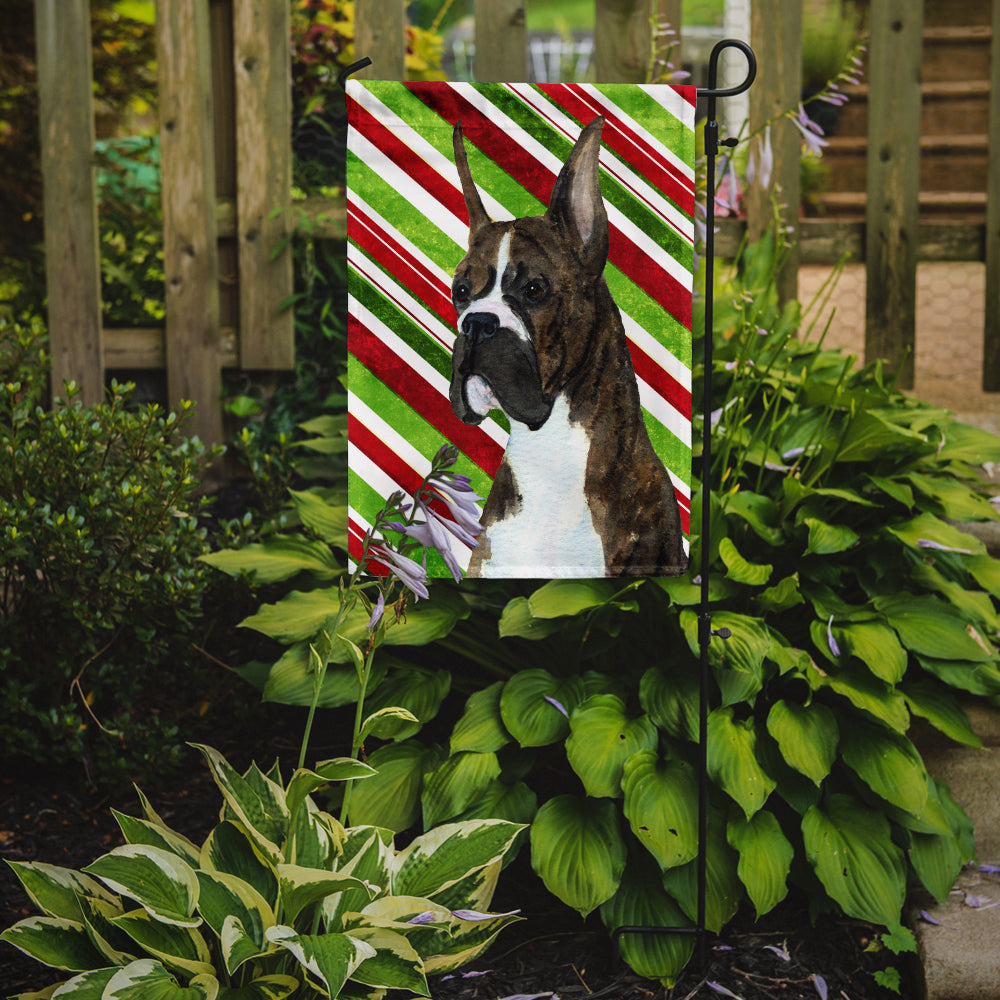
[(580, 488)]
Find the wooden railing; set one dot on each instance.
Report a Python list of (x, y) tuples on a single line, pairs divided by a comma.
[(226, 161)]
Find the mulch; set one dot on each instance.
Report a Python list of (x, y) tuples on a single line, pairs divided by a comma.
[(551, 952)]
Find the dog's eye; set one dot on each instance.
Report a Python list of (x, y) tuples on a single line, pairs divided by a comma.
[(534, 290), (461, 291)]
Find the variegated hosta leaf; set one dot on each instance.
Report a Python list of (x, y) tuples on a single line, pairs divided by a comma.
[(851, 849), (367, 853), (456, 784), (602, 737), (315, 839), (147, 979), (275, 987), (642, 902), (256, 801), (441, 857), (467, 940), (807, 736), (177, 947), (328, 959), (481, 727), (238, 944), (765, 858), (158, 880), (116, 946), (395, 964), (224, 897), (304, 782), (732, 760), (300, 887), (56, 891), (54, 941), (661, 799), (578, 851), (86, 986), (475, 891), (230, 849), (141, 831)]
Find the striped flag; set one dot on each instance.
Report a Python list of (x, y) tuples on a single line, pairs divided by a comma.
[(408, 229)]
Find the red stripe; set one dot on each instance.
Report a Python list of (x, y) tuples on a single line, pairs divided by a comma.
[(661, 381), (369, 236), (628, 144), (538, 180), (415, 390)]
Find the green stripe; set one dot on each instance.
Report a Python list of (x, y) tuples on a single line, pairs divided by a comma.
[(649, 314), (674, 453)]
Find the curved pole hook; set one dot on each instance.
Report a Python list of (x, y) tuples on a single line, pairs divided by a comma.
[(712, 90), (348, 70)]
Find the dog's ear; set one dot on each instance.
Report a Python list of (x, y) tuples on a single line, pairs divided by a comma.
[(473, 203), (576, 206)]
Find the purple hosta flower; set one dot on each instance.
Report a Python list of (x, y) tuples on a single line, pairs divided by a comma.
[(811, 132), (531, 996), (834, 648), (465, 975), (927, 918), (780, 952), (727, 197), (431, 534), (475, 915), (927, 543), (559, 705), (760, 166), (377, 612), (457, 493), (719, 988), (990, 869), (820, 983), (427, 917), (409, 572)]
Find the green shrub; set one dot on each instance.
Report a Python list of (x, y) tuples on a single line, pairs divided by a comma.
[(280, 899), (99, 541)]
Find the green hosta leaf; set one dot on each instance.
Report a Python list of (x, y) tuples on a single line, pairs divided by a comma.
[(976, 678), (528, 710), (578, 851), (765, 858), (661, 799), (807, 736), (391, 798), (456, 784), (516, 803), (517, 620), (395, 964), (481, 728), (931, 628), (570, 597), (738, 661), (850, 847), (986, 571), (315, 839), (927, 528), (641, 901), (732, 760), (723, 889), (417, 690), (225, 897), (280, 557), (888, 763), (230, 849), (367, 853), (159, 881), (876, 646), (893, 488), (760, 512), (783, 595), (141, 831), (177, 947), (301, 887), (602, 738), (260, 809), (738, 569), (941, 709), (870, 435), (972, 445), (864, 691), (828, 539), (937, 859), (324, 519), (292, 680), (56, 891), (330, 959), (671, 699), (438, 859), (957, 501), (54, 941), (147, 979), (976, 605), (274, 987)]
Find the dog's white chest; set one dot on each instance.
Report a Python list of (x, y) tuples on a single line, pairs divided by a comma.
[(552, 531)]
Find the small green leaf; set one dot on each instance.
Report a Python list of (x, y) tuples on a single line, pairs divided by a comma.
[(391, 798), (518, 621), (807, 736), (888, 763), (765, 858), (732, 760), (481, 727), (328, 521), (456, 784), (828, 539), (739, 569), (936, 704), (559, 598), (932, 628), (671, 699), (279, 558), (535, 706)]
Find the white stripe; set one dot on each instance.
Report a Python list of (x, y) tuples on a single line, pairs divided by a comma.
[(659, 353), (387, 435), (412, 359), (673, 102), (674, 421), (386, 285)]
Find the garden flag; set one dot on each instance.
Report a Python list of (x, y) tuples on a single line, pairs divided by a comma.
[(520, 268)]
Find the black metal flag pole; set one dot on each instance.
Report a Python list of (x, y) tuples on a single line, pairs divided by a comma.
[(705, 631)]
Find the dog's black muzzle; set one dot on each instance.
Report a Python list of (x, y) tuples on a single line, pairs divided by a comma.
[(504, 360)]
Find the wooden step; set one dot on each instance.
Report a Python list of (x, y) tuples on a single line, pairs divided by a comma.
[(956, 53), (947, 163), (945, 104), (958, 206)]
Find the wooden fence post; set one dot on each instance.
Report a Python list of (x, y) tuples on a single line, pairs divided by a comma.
[(776, 35), (380, 34), (190, 251), (991, 333), (72, 255), (893, 183), (261, 57), (622, 40), (501, 40)]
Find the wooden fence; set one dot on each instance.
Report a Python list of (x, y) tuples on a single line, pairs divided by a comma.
[(226, 161)]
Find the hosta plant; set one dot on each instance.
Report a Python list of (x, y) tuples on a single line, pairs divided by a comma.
[(279, 900)]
